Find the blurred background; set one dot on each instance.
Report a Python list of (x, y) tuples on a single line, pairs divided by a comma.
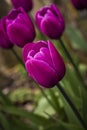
[(22, 92)]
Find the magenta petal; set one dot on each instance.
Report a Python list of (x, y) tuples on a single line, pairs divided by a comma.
[(26, 4), (20, 28), (26, 50), (32, 46), (19, 34), (51, 27), (4, 40), (40, 15), (50, 21), (42, 73), (57, 60), (44, 55), (39, 45)]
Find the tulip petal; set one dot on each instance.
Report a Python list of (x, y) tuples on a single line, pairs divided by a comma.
[(44, 55), (56, 12), (4, 40), (26, 4), (39, 45), (42, 73), (51, 27), (19, 34), (26, 50), (57, 60), (32, 46), (40, 15)]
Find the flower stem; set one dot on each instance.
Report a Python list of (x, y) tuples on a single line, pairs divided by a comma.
[(74, 65), (18, 58), (72, 106), (48, 100)]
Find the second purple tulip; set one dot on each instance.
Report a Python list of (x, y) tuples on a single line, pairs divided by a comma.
[(43, 63), (50, 21)]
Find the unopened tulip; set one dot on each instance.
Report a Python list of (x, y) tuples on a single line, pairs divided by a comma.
[(20, 28), (43, 63), (25, 4), (79, 4), (50, 21), (4, 40)]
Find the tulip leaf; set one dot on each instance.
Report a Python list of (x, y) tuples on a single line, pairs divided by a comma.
[(54, 98), (44, 107), (34, 118), (69, 112), (4, 99), (63, 126), (84, 104), (19, 125), (76, 38), (73, 88), (4, 122), (73, 81)]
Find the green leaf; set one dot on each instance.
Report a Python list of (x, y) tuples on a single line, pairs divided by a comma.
[(73, 87), (55, 99), (71, 126), (69, 112), (73, 81), (4, 122), (76, 38), (55, 127), (63, 126), (44, 107), (84, 104), (17, 124), (4, 99), (34, 118)]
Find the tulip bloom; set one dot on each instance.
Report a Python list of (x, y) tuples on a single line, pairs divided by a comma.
[(25, 4), (43, 63), (20, 28), (50, 21), (79, 4), (4, 40)]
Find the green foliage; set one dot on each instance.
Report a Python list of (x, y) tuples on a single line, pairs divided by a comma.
[(76, 39), (20, 95)]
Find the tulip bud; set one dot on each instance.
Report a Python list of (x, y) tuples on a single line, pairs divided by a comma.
[(50, 21), (43, 63), (79, 4), (25, 4), (20, 28), (4, 40)]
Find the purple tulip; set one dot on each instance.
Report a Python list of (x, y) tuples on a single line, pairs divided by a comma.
[(25, 4), (4, 40), (43, 63), (50, 21), (79, 4), (20, 28)]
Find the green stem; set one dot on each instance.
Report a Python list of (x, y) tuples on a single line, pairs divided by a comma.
[(72, 106), (74, 65), (18, 58), (47, 99)]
